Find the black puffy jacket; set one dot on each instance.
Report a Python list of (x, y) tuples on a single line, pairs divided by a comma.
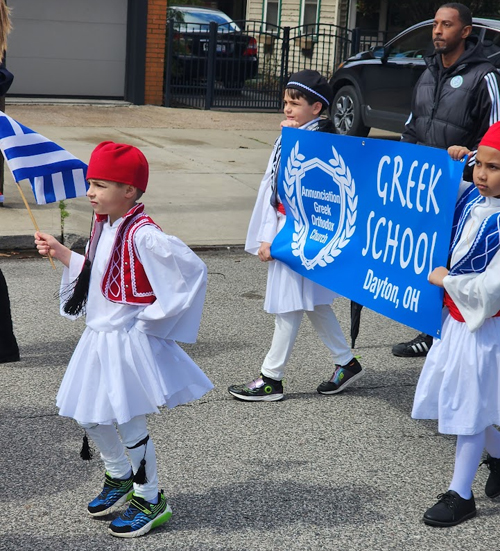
[(456, 105)]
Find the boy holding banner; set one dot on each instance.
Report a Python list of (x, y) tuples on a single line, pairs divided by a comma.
[(460, 382), (288, 294)]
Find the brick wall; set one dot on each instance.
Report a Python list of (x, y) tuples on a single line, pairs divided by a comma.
[(155, 52)]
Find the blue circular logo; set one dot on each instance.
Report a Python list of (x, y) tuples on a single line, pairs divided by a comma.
[(457, 81)]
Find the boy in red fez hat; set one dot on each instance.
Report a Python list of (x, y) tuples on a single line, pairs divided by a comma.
[(459, 384), (288, 294), (127, 363)]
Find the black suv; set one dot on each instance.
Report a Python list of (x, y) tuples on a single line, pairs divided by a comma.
[(374, 88)]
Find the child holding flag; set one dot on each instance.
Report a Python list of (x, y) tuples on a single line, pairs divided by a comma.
[(288, 294), (460, 381), (141, 290)]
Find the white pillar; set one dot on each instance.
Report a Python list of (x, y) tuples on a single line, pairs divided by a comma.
[(351, 15)]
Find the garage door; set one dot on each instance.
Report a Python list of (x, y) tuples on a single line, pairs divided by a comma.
[(68, 47)]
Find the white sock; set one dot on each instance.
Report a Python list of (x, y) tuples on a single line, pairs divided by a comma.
[(467, 458), (133, 432)]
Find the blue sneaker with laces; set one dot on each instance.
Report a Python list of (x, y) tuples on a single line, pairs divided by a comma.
[(141, 517), (115, 493)]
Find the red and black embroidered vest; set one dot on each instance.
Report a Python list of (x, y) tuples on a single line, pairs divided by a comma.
[(125, 280)]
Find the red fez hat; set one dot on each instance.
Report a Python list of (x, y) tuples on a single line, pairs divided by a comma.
[(119, 162), (492, 136)]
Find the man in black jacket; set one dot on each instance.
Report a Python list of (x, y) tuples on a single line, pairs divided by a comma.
[(455, 101)]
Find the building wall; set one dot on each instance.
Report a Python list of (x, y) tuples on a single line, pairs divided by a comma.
[(290, 11), (155, 51)]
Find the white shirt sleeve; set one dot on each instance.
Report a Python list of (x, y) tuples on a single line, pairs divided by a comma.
[(70, 274), (178, 278), (263, 225)]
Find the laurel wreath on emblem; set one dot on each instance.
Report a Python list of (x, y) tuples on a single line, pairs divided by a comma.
[(342, 177)]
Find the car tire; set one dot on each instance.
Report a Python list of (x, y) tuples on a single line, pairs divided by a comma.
[(346, 113)]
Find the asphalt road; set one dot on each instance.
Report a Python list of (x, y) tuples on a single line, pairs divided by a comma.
[(351, 472)]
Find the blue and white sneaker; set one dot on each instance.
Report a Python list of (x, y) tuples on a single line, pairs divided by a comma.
[(141, 517), (115, 493)]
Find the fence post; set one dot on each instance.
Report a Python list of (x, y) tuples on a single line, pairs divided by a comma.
[(212, 48), (169, 56), (285, 50), (356, 40)]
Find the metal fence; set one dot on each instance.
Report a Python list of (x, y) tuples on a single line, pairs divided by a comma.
[(216, 66)]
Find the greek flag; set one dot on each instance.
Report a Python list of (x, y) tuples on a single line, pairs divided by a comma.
[(53, 172)]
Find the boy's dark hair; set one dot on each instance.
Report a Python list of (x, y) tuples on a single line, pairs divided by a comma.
[(464, 13), (294, 93)]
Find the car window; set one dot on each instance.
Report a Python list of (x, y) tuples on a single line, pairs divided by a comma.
[(414, 44), (491, 45), (197, 20)]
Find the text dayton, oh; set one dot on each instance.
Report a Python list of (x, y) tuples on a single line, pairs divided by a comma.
[(368, 219)]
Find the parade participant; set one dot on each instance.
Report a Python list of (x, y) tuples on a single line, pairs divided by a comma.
[(9, 350), (459, 384), (141, 291), (454, 102), (288, 294)]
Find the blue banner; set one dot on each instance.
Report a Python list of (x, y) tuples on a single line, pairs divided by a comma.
[(369, 219)]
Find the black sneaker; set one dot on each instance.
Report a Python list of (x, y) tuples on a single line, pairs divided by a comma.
[(492, 488), (419, 346), (450, 510), (262, 389), (342, 377)]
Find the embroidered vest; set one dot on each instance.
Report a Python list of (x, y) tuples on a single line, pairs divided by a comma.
[(125, 280), (487, 240), (483, 249)]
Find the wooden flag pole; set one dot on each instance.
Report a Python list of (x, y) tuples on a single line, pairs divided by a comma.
[(33, 219)]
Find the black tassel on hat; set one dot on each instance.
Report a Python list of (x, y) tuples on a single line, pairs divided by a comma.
[(86, 451), (140, 476), (78, 299)]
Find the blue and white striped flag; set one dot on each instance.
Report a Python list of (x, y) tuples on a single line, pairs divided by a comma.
[(53, 172)]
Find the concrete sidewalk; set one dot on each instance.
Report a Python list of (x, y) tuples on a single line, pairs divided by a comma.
[(206, 168)]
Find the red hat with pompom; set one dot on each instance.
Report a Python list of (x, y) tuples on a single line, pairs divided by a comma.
[(119, 162)]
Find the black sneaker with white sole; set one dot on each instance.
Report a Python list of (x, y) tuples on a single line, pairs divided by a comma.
[(415, 348), (262, 389), (342, 377)]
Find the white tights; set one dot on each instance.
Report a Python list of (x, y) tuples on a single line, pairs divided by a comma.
[(468, 456), (286, 328), (112, 441)]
